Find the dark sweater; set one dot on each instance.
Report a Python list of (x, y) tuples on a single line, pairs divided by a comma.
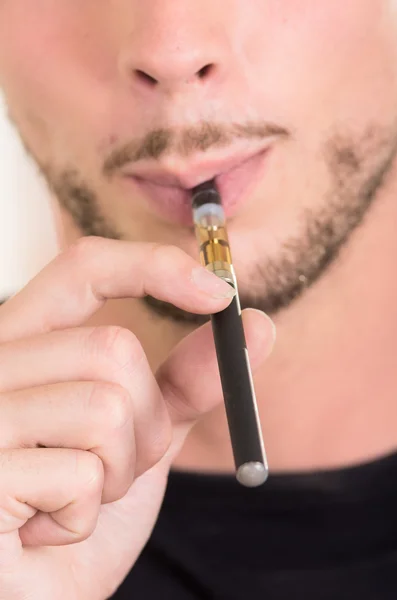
[(324, 536)]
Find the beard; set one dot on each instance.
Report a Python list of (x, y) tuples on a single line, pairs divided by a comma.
[(357, 169)]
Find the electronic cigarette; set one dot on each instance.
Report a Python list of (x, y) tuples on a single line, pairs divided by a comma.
[(231, 349)]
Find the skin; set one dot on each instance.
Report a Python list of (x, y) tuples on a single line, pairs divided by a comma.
[(315, 245)]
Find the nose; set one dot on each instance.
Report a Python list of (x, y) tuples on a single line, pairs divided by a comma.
[(173, 43)]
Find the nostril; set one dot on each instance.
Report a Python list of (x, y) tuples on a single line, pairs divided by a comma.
[(205, 71), (145, 78)]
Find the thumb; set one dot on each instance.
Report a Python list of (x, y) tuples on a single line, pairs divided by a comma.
[(189, 378)]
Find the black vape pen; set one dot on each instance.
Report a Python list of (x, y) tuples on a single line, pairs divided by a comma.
[(234, 368)]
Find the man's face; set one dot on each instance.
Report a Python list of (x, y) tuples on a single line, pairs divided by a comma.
[(291, 105)]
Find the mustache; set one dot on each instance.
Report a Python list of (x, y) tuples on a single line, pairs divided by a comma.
[(186, 141)]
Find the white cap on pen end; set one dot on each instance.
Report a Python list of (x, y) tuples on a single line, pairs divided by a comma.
[(252, 474)]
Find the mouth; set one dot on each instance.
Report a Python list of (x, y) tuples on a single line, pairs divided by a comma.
[(167, 192)]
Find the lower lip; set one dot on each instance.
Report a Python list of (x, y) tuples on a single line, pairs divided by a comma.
[(174, 204)]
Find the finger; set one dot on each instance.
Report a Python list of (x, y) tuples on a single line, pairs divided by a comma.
[(112, 354), (190, 380), (77, 283), (51, 496), (102, 354), (94, 416)]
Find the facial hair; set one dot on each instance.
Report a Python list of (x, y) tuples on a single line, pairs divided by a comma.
[(357, 169)]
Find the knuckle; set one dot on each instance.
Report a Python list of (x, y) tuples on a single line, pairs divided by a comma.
[(84, 249), (110, 406), (84, 531), (117, 344), (167, 255), (89, 472)]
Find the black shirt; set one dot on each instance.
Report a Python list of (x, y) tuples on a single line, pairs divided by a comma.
[(322, 536)]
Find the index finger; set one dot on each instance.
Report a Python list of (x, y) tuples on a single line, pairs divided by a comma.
[(78, 282)]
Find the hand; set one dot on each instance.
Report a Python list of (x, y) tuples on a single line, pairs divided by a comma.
[(87, 431)]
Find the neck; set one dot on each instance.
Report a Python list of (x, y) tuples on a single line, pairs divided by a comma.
[(327, 394)]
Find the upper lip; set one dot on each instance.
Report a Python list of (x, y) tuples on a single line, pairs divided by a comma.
[(187, 175)]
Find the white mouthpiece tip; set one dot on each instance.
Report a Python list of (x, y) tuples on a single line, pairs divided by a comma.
[(252, 474)]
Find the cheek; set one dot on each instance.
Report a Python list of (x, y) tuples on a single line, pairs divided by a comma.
[(53, 71), (319, 62)]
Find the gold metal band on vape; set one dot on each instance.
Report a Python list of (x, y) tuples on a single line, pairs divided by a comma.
[(214, 248)]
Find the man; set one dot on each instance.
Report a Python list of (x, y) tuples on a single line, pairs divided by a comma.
[(107, 380)]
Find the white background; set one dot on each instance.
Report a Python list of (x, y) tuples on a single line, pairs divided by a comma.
[(27, 231)]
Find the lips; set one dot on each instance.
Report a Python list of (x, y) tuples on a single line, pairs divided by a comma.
[(167, 193)]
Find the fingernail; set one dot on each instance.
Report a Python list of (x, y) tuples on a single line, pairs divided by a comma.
[(212, 284), (268, 319), (260, 340)]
